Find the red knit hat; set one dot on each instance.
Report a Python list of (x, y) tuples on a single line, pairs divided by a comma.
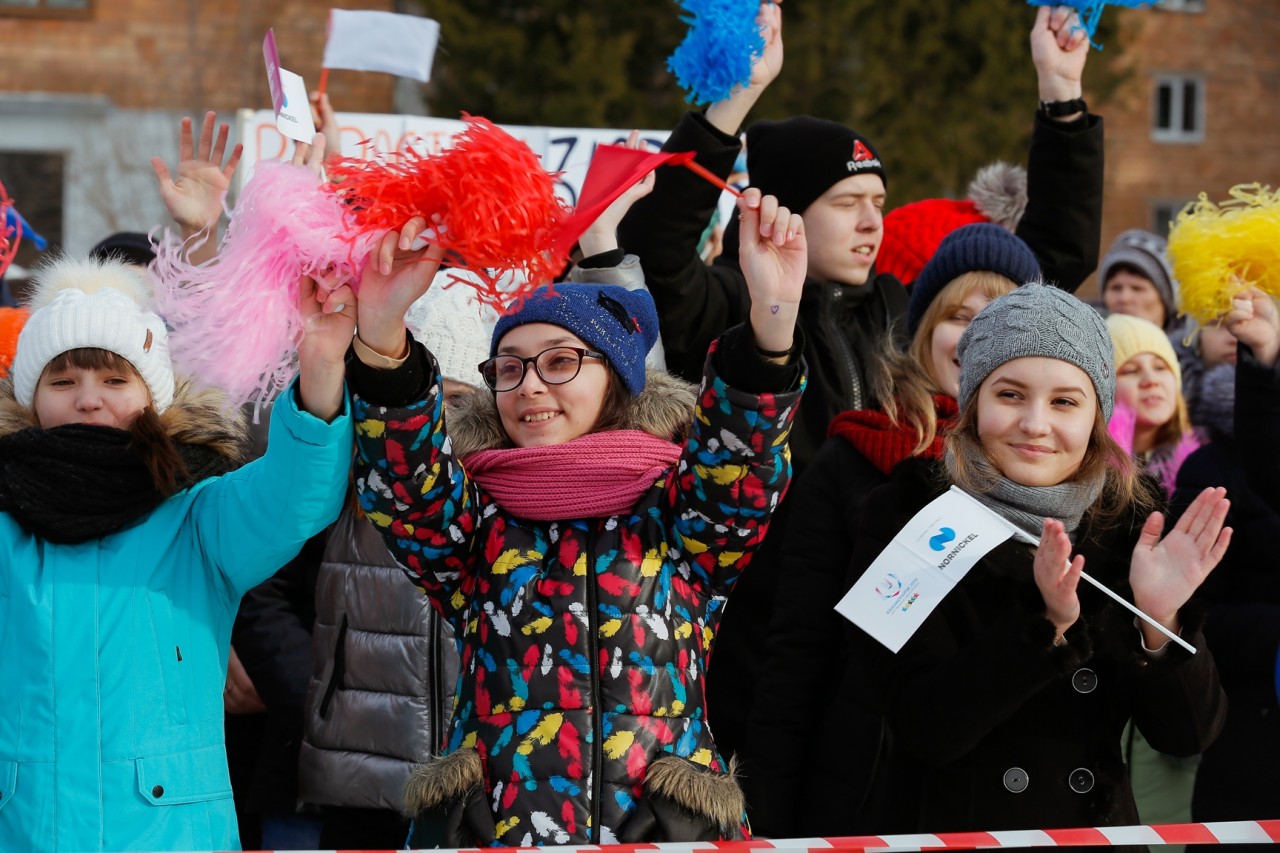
[(11, 321), (998, 193)]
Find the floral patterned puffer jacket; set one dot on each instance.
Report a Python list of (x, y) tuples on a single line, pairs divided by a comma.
[(580, 711)]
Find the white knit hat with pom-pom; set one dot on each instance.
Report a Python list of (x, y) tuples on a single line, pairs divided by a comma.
[(453, 326), (106, 305)]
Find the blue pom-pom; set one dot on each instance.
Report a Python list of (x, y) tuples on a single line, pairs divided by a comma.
[(717, 54), (1090, 11)]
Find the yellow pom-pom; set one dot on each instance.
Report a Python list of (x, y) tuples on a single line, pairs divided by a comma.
[(1217, 250)]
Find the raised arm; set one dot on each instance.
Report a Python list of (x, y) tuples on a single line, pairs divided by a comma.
[(1063, 219), (696, 303), (736, 465), (194, 198)]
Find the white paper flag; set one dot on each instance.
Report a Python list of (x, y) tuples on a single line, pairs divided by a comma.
[(921, 565), (404, 45)]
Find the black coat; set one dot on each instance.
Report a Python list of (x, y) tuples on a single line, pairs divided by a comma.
[(697, 302), (1239, 775), (1000, 728), (814, 683)]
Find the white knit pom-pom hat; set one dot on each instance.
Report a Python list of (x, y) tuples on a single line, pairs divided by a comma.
[(77, 304)]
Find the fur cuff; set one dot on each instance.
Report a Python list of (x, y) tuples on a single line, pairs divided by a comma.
[(444, 779), (715, 796)]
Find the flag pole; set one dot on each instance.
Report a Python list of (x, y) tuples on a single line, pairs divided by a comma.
[(324, 81)]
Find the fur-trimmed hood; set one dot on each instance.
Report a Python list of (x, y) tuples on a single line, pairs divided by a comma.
[(196, 417), (663, 409)]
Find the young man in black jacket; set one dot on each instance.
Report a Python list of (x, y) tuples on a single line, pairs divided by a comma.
[(836, 179)]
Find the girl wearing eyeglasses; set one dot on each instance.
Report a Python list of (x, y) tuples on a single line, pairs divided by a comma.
[(580, 526)]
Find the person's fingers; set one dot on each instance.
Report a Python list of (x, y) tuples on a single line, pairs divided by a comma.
[(796, 228), (385, 251), (1219, 548), (162, 170), (411, 231), (206, 136), (186, 145), (1043, 16), (633, 139), (340, 300), (315, 157), (220, 143), (233, 161), (1058, 17), (300, 152), (1151, 529), (768, 212), (781, 226), (307, 288)]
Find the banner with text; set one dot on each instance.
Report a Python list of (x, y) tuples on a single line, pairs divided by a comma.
[(562, 149)]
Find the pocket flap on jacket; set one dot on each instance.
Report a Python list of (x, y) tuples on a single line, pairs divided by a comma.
[(8, 781), (184, 777)]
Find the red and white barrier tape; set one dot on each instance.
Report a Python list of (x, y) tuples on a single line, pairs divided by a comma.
[(1226, 832)]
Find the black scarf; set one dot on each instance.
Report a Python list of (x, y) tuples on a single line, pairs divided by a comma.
[(78, 482)]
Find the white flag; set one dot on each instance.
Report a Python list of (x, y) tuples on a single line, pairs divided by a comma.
[(404, 45), (923, 563)]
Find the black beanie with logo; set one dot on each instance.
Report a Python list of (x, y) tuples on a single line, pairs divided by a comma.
[(798, 159)]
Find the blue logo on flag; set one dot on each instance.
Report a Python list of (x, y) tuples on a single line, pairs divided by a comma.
[(939, 541)]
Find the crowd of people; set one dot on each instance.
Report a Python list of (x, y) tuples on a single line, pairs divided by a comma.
[(567, 574)]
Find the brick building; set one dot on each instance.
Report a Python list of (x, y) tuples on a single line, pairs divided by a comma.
[(1198, 112)]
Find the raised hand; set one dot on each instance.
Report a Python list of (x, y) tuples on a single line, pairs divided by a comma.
[(1057, 575), (328, 324), (1059, 48), (311, 156), (194, 198), (1165, 572), (602, 235), (395, 275), (1254, 321), (729, 114), (774, 257), (326, 122)]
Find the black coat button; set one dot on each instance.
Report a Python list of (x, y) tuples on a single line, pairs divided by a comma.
[(1015, 780), (1081, 780), (1084, 680), (157, 791)]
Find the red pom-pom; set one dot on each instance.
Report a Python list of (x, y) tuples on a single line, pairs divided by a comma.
[(11, 323), (488, 200)]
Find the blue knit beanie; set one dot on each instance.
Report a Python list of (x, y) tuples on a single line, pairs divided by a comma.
[(621, 323), (981, 246)]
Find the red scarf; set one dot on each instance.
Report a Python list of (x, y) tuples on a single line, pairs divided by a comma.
[(884, 443), (595, 476)]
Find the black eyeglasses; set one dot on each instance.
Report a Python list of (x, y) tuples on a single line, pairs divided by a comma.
[(555, 366)]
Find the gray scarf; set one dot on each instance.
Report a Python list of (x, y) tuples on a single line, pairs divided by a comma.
[(1026, 507)]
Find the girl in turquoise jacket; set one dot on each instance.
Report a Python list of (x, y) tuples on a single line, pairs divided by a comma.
[(126, 542)]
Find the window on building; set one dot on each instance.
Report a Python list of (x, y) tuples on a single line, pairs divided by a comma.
[(1178, 113), (48, 8), (1163, 213), (1181, 5)]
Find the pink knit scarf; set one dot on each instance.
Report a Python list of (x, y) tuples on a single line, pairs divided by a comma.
[(595, 476)]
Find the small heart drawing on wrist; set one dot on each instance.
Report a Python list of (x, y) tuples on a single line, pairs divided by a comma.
[(773, 309)]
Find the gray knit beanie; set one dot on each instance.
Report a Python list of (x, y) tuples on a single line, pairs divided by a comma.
[(1147, 253), (1037, 320)]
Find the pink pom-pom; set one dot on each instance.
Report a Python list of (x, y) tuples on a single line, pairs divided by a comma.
[(235, 320)]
